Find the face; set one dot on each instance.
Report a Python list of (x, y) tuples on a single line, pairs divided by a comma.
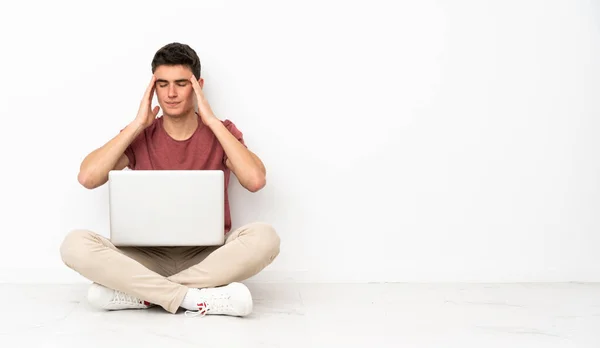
[(174, 90)]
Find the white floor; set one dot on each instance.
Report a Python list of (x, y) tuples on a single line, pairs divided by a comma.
[(320, 315)]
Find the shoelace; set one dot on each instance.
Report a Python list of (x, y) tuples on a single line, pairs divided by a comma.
[(202, 310), (219, 303)]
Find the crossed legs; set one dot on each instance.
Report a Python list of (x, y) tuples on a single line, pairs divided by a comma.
[(163, 276)]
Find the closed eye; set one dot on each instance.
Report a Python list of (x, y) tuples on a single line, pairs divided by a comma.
[(179, 83)]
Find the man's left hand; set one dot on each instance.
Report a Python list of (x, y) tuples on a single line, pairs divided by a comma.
[(206, 114)]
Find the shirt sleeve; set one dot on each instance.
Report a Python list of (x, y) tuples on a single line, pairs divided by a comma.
[(231, 127), (130, 154)]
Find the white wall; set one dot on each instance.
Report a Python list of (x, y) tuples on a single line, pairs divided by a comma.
[(421, 141)]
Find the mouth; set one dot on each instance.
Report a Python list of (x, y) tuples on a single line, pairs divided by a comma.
[(172, 104)]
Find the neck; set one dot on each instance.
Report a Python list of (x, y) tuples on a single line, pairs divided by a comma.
[(181, 127)]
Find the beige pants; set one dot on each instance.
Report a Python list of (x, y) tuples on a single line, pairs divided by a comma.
[(162, 275)]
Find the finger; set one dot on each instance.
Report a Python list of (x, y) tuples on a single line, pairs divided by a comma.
[(155, 110), (150, 88), (195, 83)]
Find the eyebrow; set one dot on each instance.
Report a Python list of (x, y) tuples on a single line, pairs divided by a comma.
[(180, 80)]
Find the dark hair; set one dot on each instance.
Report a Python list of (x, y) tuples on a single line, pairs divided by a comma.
[(177, 54)]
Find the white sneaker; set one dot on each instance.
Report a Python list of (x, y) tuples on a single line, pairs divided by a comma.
[(102, 297), (233, 299)]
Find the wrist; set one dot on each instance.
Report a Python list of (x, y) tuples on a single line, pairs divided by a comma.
[(213, 122), (137, 127)]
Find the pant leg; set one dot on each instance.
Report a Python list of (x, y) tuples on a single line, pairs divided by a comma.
[(246, 252), (135, 273)]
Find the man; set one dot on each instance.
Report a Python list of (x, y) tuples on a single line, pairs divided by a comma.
[(202, 280)]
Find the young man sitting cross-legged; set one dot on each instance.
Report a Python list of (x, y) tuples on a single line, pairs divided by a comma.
[(202, 280)]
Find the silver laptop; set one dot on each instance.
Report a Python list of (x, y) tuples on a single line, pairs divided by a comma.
[(166, 207)]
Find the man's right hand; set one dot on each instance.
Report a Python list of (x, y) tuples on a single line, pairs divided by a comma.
[(146, 114), (94, 168)]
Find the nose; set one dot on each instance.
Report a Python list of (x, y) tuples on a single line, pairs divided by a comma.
[(172, 91)]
